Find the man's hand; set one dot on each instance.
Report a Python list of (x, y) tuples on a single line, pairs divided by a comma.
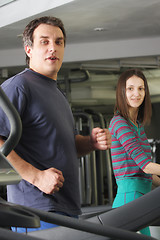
[(101, 138), (49, 181)]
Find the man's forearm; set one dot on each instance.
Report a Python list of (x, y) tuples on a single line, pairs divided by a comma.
[(48, 181), (83, 145), (25, 169)]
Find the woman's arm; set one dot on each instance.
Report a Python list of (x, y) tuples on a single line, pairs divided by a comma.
[(152, 168), (129, 142), (156, 180)]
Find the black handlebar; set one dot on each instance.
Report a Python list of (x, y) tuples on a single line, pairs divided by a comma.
[(15, 124)]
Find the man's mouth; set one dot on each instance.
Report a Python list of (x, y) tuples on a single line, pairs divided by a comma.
[(52, 58)]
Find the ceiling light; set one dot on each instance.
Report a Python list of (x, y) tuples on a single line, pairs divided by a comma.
[(99, 29)]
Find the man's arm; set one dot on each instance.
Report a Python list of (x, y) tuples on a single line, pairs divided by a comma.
[(48, 181), (100, 139)]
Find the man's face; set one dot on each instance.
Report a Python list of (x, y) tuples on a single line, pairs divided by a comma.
[(47, 51)]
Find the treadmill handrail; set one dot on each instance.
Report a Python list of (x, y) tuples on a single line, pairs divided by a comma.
[(86, 226), (15, 124)]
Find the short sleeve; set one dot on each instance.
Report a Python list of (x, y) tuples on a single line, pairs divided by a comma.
[(17, 98)]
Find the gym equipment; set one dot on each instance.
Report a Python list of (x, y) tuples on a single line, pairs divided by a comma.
[(93, 167), (7, 172), (115, 224)]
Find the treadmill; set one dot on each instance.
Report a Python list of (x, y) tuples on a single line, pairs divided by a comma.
[(121, 223)]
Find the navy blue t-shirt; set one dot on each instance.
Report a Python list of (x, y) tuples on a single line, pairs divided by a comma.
[(48, 140)]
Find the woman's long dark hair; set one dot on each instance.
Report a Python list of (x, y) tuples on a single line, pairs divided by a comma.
[(121, 106)]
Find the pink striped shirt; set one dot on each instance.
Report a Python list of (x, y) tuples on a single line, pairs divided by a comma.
[(130, 149)]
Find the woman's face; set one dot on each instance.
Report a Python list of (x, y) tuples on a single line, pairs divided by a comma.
[(135, 91)]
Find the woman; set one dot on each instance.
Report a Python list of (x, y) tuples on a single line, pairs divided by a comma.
[(130, 150)]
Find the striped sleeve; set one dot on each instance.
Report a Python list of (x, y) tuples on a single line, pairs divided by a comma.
[(130, 141)]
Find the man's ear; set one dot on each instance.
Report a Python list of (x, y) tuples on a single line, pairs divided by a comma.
[(28, 51)]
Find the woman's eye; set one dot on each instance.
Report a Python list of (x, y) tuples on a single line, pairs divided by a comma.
[(130, 89), (141, 89)]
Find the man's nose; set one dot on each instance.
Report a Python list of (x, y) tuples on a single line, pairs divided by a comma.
[(52, 48)]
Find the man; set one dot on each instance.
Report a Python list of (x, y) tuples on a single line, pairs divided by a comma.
[(46, 156)]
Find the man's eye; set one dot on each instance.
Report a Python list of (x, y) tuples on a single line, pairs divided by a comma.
[(59, 42), (44, 42)]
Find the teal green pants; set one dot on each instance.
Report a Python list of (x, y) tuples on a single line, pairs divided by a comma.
[(129, 190)]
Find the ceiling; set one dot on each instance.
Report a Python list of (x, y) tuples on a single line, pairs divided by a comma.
[(104, 38)]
